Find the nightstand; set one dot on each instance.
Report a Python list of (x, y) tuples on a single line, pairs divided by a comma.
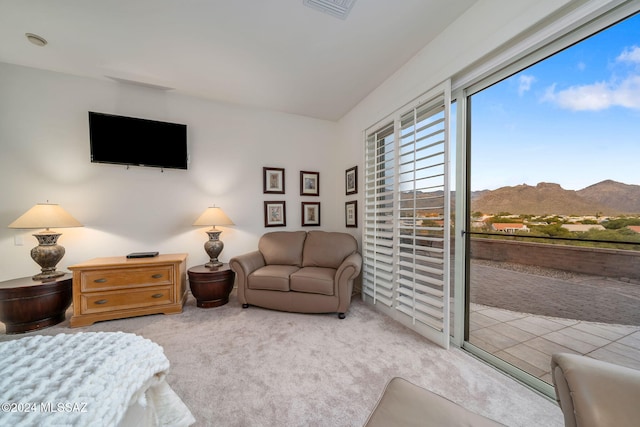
[(211, 286), (29, 305)]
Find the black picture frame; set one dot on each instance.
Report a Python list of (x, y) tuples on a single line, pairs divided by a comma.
[(310, 215), (351, 181), (275, 213), (351, 214), (309, 183), (272, 180)]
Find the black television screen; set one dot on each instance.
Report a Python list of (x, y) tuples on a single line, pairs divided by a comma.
[(139, 142)]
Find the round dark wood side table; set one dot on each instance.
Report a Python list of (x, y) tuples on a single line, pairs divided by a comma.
[(211, 286), (28, 305)]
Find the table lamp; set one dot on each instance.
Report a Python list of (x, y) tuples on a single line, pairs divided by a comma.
[(213, 216), (48, 253)]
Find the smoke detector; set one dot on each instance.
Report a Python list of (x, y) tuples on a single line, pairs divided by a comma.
[(338, 8)]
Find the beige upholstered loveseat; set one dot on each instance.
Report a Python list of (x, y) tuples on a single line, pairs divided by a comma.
[(594, 393), (591, 393), (299, 271), (405, 404)]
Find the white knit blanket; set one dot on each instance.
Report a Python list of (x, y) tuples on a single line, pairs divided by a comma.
[(82, 379)]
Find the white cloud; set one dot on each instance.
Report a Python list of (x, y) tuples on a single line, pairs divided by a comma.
[(524, 83), (597, 96), (630, 54), (601, 95)]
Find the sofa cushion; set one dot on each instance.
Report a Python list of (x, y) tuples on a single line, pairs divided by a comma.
[(271, 277), (282, 247), (313, 280), (327, 249), (405, 404)]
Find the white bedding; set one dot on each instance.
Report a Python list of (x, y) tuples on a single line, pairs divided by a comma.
[(87, 379)]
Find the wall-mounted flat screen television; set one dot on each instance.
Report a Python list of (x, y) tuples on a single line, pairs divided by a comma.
[(139, 142)]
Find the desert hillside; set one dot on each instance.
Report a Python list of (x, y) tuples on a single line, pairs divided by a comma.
[(604, 198)]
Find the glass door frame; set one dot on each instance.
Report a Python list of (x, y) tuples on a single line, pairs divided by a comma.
[(570, 27)]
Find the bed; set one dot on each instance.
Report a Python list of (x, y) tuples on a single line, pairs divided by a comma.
[(87, 379)]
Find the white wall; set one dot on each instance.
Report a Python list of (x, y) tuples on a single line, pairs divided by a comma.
[(486, 26), (44, 151), (44, 155)]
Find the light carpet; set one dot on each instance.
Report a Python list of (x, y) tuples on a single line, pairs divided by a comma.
[(257, 367)]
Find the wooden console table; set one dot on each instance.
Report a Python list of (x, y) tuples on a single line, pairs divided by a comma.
[(29, 305), (119, 287)]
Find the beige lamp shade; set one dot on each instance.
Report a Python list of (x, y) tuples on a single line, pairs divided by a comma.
[(48, 252), (213, 216), (45, 215)]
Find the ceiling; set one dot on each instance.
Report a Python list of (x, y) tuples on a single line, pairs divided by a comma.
[(273, 54)]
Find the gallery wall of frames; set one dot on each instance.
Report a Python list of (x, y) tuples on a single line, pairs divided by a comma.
[(275, 211)]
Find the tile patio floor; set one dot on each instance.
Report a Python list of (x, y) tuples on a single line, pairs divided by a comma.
[(527, 341)]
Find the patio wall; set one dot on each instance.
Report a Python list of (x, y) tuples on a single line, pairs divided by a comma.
[(614, 263)]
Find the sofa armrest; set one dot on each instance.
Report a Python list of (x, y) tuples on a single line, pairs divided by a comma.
[(243, 266), (595, 393), (343, 280), (349, 269)]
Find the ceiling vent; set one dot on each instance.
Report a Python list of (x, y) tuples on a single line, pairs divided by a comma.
[(138, 83), (36, 39), (338, 8)]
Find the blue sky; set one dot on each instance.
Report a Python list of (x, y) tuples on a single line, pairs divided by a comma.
[(572, 119)]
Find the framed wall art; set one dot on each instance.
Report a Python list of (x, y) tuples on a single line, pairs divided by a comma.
[(309, 183), (273, 180), (310, 213), (351, 180), (351, 213), (275, 214)]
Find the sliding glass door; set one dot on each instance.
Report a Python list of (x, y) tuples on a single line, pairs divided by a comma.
[(553, 190)]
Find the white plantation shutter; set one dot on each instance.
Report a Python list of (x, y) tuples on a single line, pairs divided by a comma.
[(406, 242), (424, 218), (378, 235)]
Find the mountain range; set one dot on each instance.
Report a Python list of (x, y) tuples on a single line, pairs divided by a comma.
[(604, 198)]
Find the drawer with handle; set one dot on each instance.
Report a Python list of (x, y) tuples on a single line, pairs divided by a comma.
[(101, 280), (97, 302)]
